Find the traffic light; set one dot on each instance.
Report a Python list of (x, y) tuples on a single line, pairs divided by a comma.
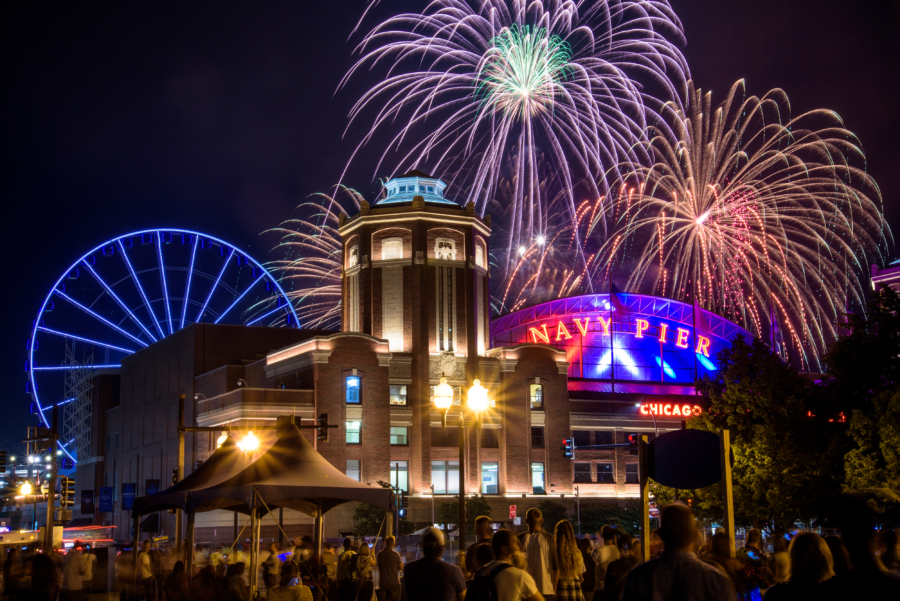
[(404, 500), (402, 512), (66, 492), (633, 444), (2, 462), (322, 428), (569, 448), (174, 476)]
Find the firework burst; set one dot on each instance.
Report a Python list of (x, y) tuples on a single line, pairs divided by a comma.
[(311, 268), (761, 218), (468, 80)]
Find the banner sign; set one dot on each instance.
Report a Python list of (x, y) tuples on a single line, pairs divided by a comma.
[(87, 502), (129, 491), (151, 487), (106, 499)]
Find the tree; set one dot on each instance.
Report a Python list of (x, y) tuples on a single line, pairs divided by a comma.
[(626, 519), (782, 459), (553, 513), (873, 466), (448, 512), (369, 520)]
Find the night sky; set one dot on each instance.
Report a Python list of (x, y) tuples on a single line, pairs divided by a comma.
[(222, 118)]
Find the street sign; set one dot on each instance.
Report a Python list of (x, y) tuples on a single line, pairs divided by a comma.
[(517, 522), (686, 459), (128, 494), (512, 512)]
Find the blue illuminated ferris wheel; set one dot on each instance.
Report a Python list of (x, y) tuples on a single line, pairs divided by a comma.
[(128, 293)]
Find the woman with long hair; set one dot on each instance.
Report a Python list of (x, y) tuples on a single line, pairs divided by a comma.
[(364, 574), (571, 566), (811, 565)]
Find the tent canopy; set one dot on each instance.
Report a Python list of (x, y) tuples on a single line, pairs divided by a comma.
[(292, 474), (227, 461)]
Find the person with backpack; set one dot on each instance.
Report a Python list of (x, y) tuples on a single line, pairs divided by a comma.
[(431, 578), (346, 573), (500, 580)]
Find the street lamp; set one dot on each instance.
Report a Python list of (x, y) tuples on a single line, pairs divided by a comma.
[(249, 443), (221, 440), (476, 402), (25, 490)]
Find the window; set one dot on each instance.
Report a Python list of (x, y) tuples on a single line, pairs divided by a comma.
[(430, 189), (398, 395), (353, 429), (489, 438), (399, 435), (605, 473), (445, 477), (448, 437), (402, 189), (537, 397), (582, 473), (400, 475), (490, 478), (631, 474), (582, 438), (604, 437), (537, 478), (445, 249), (479, 256), (537, 437), (354, 256), (353, 386), (391, 248), (353, 469)]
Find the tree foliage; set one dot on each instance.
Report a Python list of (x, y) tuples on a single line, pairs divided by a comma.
[(626, 519), (448, 512), (553, 513), (369, 520)]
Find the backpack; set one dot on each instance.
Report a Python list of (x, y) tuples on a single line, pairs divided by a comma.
[(483, 587), (347, 566)]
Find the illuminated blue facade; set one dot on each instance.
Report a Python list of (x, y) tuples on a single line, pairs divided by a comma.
[(624, 342), (402, 189)]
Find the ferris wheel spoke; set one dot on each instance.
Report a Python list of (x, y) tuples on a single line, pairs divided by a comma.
[(74, 367), (238, 299), (261, 317), (187, 288), (137, 283), (214, 286), (98, 317), (119, 301), (82, 339), (162, 275)]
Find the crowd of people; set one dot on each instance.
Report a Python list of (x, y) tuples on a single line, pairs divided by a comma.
[(534, 565)]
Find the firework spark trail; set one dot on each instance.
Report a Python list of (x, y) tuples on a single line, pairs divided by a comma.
[(467, 81), (747, 208), (311, 269)]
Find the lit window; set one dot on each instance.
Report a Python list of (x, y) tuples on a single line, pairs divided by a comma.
[(399, 435), (537, 397), (631, 474), (605, 473), (391, 248), (582, 473), (479, 256), (353, 386), (353, 430), (445, 477), (354, 256), (537, 437), (400, 475), (398, 395), (445, 249), (490, 478), (537, 478), (353, 469)]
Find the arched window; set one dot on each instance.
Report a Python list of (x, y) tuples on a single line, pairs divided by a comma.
[(391, 248), (479, 256), (445, 249), (354, 257)]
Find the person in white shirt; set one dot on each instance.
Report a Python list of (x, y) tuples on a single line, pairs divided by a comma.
[(605, 554), (73, 574), (512, 584), (540, 553), (90, 561)]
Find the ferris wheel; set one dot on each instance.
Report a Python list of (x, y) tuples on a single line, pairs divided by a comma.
[(126, 294)]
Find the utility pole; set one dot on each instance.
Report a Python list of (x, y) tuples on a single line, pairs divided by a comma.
[(578, 508), (432, 504), (727, 493), (644, 467), (51, 477), (180, 475)]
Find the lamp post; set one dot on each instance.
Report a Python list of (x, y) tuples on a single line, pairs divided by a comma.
[(477, 403)]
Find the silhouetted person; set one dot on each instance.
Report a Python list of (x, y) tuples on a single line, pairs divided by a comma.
[(431, 578), (677, 573), (811, 565)]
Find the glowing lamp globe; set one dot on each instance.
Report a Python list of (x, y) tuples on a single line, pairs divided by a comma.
[(25, 489), (249, 443), (478, 397), (221, 440), (443, 395)]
